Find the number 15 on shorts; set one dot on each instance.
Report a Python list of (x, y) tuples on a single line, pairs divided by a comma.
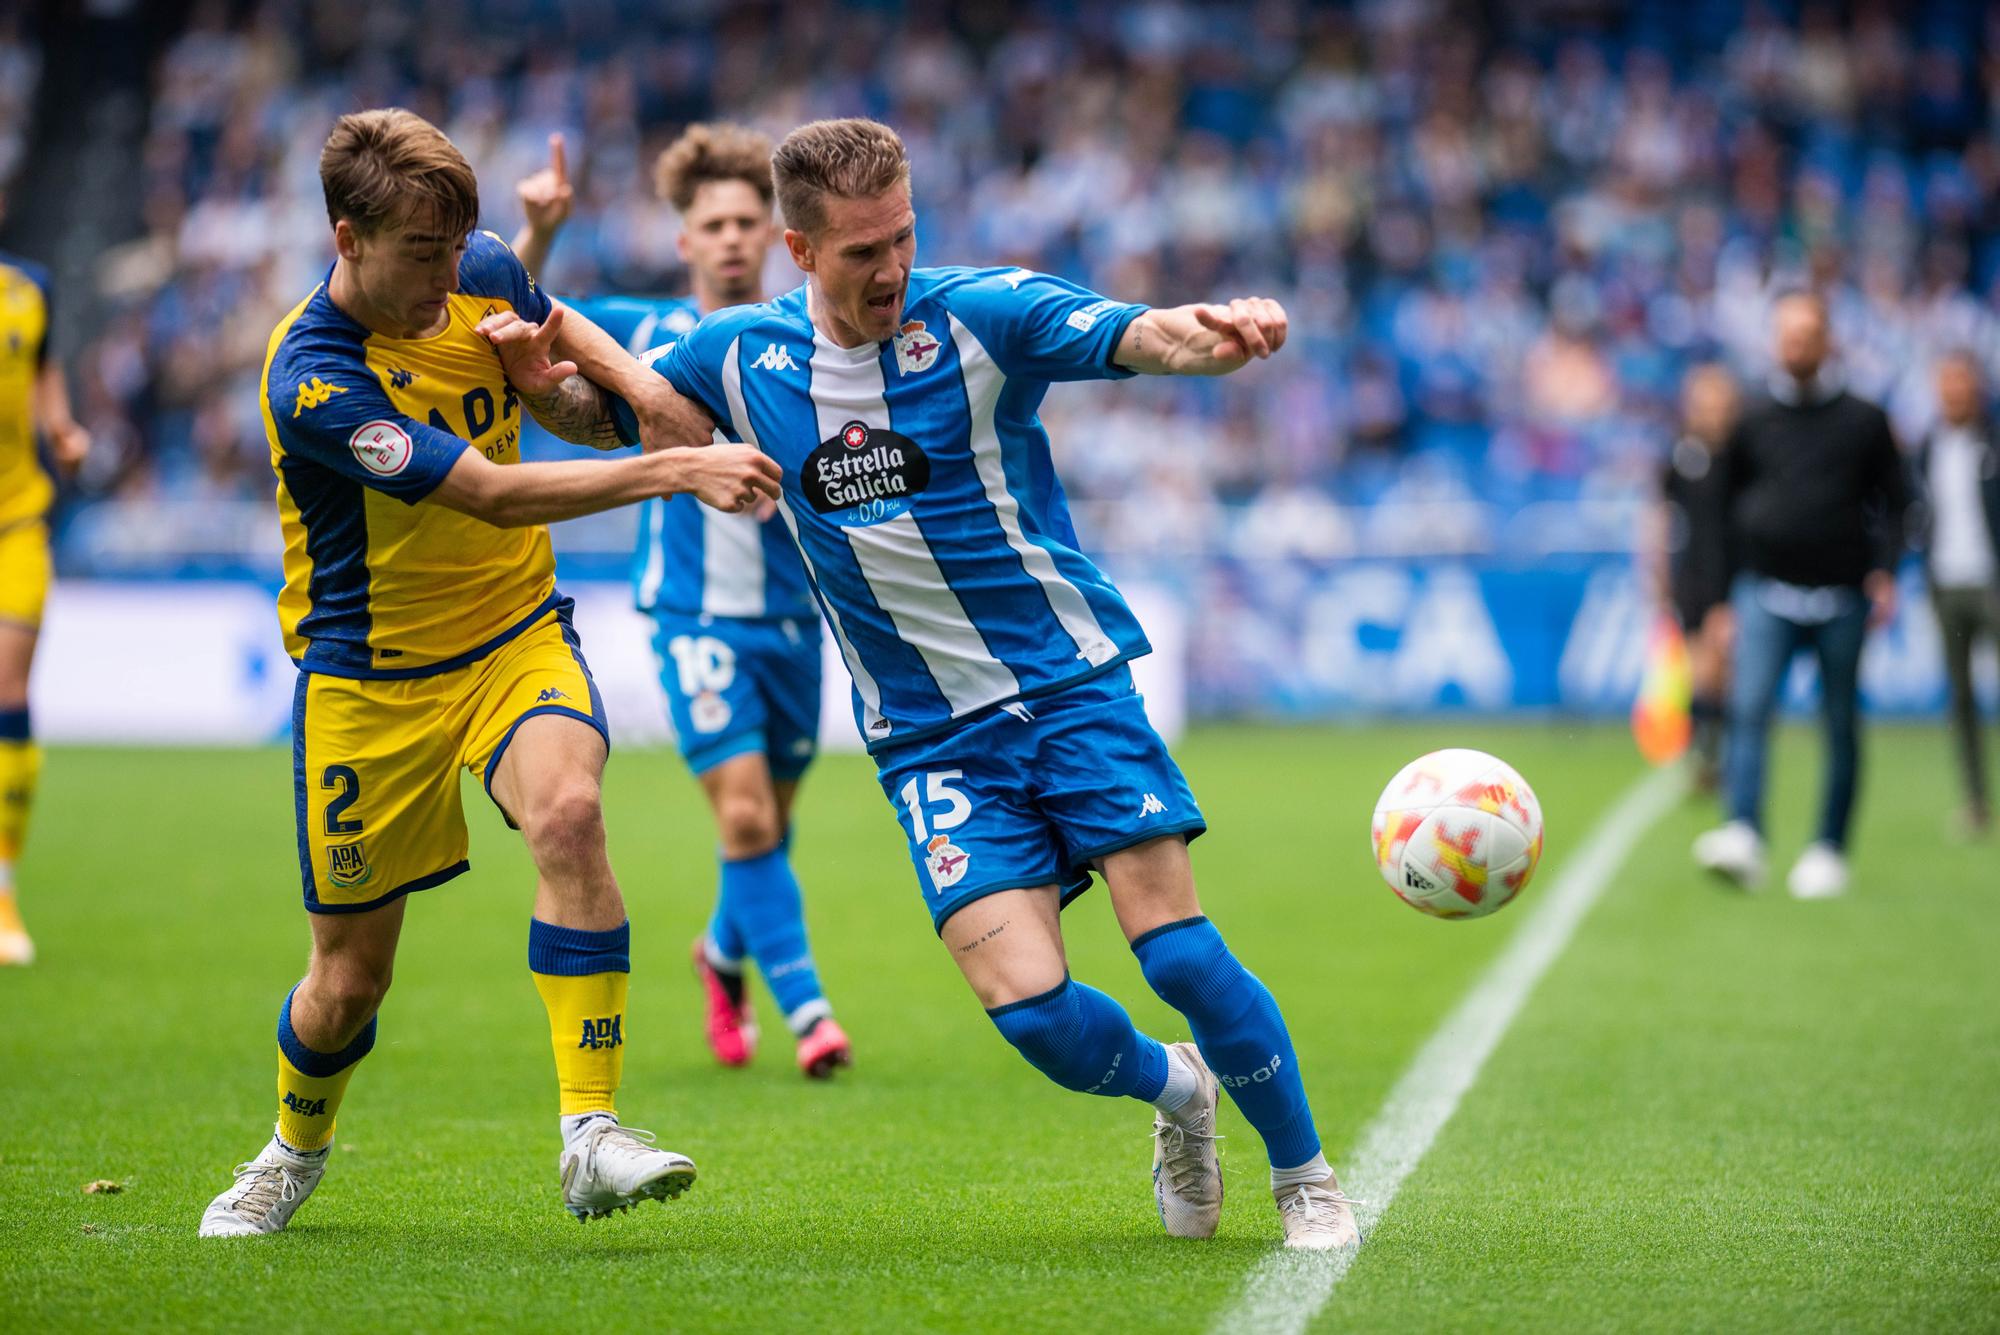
[(923, 795)]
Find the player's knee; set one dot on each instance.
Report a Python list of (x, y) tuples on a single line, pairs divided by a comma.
[(565, 824), (1048, 1031), (346, 993), (747, 823), (1185, 962)]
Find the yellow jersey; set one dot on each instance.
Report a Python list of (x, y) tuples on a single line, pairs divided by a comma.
[(25, 490), (362, 428)]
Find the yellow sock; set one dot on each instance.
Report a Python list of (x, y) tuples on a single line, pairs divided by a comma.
[(20, 771), (310, 1084), (582, 977)]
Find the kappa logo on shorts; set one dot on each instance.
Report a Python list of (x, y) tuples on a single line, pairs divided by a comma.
[(347, 865), (945, 861)]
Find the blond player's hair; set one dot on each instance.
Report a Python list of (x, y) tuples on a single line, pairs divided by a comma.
[(850, 159), (712, 152), (390, 166)]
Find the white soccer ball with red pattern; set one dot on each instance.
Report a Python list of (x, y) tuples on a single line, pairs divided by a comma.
[(1457, 833)]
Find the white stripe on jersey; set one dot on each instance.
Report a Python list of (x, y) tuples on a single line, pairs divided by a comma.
[(732, 563), (895, 559), (983, 383), (653, 528), (864, 681)]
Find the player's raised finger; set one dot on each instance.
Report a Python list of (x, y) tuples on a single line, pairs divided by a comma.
[(558, 159)]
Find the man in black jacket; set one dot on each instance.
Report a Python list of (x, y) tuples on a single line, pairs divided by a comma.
[(1816, 500), (1957, 473)]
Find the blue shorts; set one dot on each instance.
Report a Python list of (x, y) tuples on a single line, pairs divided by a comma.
[(735, 686), (1032, 793)]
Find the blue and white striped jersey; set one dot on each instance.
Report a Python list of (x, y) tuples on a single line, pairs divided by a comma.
[(918, 484), (691, 558)]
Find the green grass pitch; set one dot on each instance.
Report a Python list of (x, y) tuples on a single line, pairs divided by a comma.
[(1715, 1113)]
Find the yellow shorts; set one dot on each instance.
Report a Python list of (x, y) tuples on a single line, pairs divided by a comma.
[(25, 572), (375, 763)]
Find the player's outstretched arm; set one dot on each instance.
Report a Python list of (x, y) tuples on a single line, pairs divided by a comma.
[(68, 441), (545, 198), (665, 417), (728, 477), (567, 400), (1202, 339)]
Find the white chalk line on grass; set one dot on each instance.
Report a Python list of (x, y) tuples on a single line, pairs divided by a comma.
[(1286, 1290)]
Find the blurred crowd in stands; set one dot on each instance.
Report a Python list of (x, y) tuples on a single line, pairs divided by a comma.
[(1502, 237)]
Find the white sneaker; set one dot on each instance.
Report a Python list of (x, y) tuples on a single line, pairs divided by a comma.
[(16, 948), (609, 1167), (267, 1192), (1820, 873), (1187, 1173), (1734, 852), (1318, 1216)]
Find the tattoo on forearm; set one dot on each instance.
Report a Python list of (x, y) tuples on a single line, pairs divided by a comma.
[(577, 411), (971, 946)]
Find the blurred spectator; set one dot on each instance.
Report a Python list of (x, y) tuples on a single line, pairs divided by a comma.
[(1689, 552), (1957, 471), (1816, 496)]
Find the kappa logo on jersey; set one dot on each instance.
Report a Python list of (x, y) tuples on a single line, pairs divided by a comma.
[(347, 865), (916, 350), (945, 861), (602, 1032), (1152, 806), (551, 693), (304, 1107), (314, 392), (401, 379), (1083, 320), (865, 475), (775, 357), (383, 448)]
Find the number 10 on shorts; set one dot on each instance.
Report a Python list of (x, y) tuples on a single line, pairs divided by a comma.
[(945, 861)]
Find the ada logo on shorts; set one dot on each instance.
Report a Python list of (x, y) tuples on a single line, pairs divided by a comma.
[(945, 861), (347, 865), (865, 475), (383, 448)]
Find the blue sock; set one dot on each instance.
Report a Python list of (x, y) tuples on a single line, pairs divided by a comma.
[(1083, 1040), (723, 933), (1236, 1024), (760, 898)]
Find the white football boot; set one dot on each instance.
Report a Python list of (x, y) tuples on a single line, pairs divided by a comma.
[(16, 947), (1318, 1216), (266, 1194), (1734, 852), (609, 1167), (1187, 1173), (1820, 873)]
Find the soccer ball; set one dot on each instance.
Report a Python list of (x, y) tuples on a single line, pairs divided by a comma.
[(1457, 833)]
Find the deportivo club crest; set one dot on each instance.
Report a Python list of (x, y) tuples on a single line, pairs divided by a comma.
[(916, 350)]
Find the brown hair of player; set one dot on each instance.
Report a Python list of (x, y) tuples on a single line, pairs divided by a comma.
[(852, 158), (390, 167), (707, 152)]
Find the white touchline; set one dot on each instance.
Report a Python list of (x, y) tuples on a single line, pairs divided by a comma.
[(1288, 1289)]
